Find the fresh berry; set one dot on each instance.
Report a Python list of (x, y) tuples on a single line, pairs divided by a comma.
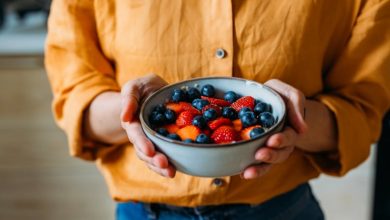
[(178, 95), (162, 131), (215, 101), (229, 112), (210, 114), (237, 124), (248, 119), (243, 111), (256, 132), (159, 108), (199, 103), (230, 96), (170, 116), (181, 106), (266, 119), (246, 101), (225, 134), (188, 141), (185, 118), (193, 93), (199, 121), (219, 122), (171, 128), (245, 134), (262, 107), (174, 137), (217, 108), (202, 139), (188, 132), (208, 90), (157, 118)]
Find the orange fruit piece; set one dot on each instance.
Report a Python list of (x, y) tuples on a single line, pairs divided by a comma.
[(189, 132)]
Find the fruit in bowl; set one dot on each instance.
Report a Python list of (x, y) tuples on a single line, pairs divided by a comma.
[(212, 126)]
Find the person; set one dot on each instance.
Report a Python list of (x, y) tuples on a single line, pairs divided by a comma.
[(329, 60)]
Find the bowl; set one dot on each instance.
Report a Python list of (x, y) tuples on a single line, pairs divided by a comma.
[(213, 160)]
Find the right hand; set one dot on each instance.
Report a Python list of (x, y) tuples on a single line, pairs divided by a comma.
[(133, 92)]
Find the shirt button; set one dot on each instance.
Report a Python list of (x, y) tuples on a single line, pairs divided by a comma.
[(218, 182), (220, 53)]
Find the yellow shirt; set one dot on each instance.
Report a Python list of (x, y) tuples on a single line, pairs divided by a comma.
[(337, 52)]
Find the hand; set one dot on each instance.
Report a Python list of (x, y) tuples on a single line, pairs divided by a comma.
[(279, 146), (133, 92)]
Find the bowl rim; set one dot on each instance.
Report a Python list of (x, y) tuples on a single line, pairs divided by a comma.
[(213, 145)]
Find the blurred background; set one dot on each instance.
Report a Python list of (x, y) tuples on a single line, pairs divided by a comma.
[(38, 179)]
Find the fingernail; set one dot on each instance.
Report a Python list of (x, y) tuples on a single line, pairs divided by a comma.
[(264, 157), (250, 176)]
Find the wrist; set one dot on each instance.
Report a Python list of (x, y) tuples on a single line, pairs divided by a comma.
[(102, 119), (322, 133)]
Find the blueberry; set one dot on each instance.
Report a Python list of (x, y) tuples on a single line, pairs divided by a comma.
[(157, 118), (200, 103), (210, 114), (174, 137), (188, 140), (266, 119), (256, 132), (202, 139), (248, 119), (243, 111), (159, 108), (230, 96), (178, 95), (170, 116), (193, 93), (162, 131), (208, 90), (262, 107), (229, 112), (199, 122)]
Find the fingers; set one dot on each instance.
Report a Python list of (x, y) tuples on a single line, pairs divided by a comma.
[(134, 91), (168, 172), (256, 171), (131, 95), (137, 137), (278, 147), (287, 137), (295, 103)]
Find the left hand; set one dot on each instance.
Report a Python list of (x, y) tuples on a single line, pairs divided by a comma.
[(279, 146)]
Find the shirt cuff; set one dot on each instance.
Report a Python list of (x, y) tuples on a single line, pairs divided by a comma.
[(73, 111), (353, 138)]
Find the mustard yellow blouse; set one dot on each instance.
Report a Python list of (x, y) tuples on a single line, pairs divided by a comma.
[(337, 52)]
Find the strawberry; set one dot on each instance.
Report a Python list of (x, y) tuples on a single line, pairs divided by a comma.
[(225, 134), (215, 101), (181, 106), (218, 122), (237, 124), (185, 118), (188, 132), (217, 108), (171, 128), (246, 101), (245, 133)]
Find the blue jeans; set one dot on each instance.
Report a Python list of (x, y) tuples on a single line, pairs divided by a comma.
[(299, 204)]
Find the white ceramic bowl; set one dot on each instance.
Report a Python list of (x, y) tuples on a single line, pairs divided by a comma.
[(213, 160)]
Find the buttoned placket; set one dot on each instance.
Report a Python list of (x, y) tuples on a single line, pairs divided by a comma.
[(220, 38)]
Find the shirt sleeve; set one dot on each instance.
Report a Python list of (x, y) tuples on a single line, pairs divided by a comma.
[(358, 90), (77, 69)]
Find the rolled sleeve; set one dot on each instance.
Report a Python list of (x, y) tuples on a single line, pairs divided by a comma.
[(357, 90), (77, 70)]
